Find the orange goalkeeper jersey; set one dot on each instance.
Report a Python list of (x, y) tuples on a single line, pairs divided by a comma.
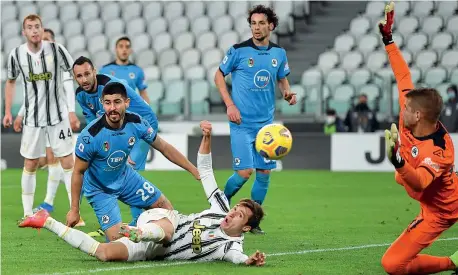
[(435, 152)]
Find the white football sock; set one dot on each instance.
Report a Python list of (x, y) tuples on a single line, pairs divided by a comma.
[(75, 238), (28, 183), (152, 232), (68, 183), (54, 171)]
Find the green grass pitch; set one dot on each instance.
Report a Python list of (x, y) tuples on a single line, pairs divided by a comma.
[(317, 223)]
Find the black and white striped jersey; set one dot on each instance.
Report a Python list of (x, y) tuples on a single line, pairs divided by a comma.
[(41, 73)]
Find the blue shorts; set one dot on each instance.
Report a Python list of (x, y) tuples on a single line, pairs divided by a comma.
[(244, 154), (141, 149), (137, 192)]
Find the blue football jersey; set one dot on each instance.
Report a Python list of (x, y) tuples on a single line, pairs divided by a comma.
[(131, 73), (255, 72), (106, 150), (92, 106)]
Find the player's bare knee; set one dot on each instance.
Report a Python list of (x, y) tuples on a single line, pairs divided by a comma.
[(67, 162), (31, 165), (50, 159), (101, 253), (246, 173)]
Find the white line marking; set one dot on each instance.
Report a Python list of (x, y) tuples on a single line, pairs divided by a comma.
[(117, 268)]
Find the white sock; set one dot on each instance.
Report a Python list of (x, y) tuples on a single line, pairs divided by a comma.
[(54, 171), (152, 232), (75, 238), (28, 183), (68, 183)]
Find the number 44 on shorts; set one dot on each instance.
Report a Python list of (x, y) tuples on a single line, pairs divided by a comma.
[(62, 135), (148, 187)]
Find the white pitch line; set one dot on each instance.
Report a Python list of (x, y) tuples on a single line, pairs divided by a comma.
[(268, 255)]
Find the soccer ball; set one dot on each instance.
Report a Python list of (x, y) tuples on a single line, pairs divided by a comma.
[(274, 141)]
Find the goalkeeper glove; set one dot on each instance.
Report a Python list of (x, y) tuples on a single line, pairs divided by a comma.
[(392, 147), (386, 26)]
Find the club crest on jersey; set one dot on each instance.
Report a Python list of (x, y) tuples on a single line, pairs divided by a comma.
[(274, 62), (86, 139), (106, 146), (414, 151), (131, 141), (105, 219), (250, 62), (132, 75), (89, 104), (236, 161)]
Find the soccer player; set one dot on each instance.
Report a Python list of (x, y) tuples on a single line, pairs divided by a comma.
[(102, 149), (212, 235), (422, 153), (256, 66), (48, 106), (122, 68), (55, 171)]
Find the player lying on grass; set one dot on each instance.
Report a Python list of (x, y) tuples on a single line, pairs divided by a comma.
[(161, 234), (422, 153)]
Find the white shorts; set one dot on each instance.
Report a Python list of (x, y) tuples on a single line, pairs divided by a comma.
[(35, 140), (143, 251)]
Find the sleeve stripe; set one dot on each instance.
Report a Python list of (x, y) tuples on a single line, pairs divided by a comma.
[(221, 203), (228, 247), (13, 68), (429, 171), (64, 58), (81, 158), (224, 74)]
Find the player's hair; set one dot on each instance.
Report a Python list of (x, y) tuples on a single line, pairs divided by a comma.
[(124, 38), (428, 101), (31, 17), (81, 60), (51, 32), (115, 88), (269, 12), (256, 208)]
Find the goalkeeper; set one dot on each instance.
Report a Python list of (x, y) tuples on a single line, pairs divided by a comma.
[(422, 153)]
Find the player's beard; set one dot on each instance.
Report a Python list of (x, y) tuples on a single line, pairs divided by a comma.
[(261, 39), (117, 120)]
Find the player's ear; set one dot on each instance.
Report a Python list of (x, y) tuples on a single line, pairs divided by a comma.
[(246, 228), (271, 26), (127, 102)]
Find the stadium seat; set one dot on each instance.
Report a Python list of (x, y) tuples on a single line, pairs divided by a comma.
[(194, 9), (195, 72), (152, 10), (449, 59), (416, 42), (161, 42), (296, 109), (407, 56), (422, 9), (93, 27), (312, 77), (227, 40), (426, 59), (398, 38), (141, 42), (152, 73), (368, 43), (76, 43), (374, 9), (442, 89), (26, 10), (11, 29), (241, 25), (335, 77), (68, 12), (454, 75), (432, 25), (183, 41), (343, 44), (441, 41), (216, 9), (171, 72), (206, 41), (341, 98), (359, 77), (72, 28), (452, 25), (145, 58), (237, 8), (167, 57), (111, 10), (435, 76), (155, 93), (49, 11), (173, 10), (314, 99), (359, 26), (200, 92), (12, 43), (135, 26), (328, 60), (97, 43), (114, 27), (156, 26), (416, 74), (60, 39), (174, 94), (102, 58), (402, 8), (352, 61), (210, 57), (221, 25), (200, 25), (9, 12), (371, 90), (189, 58), (446, 9), (178, 26), (91, 11), (131, 10), (407, 25)]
